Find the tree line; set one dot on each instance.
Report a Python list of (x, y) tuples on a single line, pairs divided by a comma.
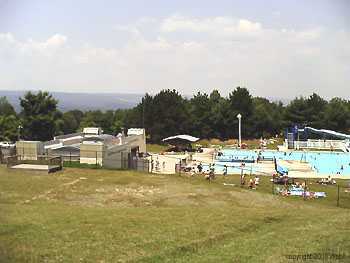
[(168, 113)]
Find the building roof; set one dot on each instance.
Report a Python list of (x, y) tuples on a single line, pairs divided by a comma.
[(92, 130), (100, 138), (69, 136), (74, 147), (135, 131)]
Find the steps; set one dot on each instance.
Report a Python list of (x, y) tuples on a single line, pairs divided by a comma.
[(290, 141)]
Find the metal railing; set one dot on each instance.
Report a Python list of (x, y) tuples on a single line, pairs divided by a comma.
[(55, 162), (319, 144), (12, 161)]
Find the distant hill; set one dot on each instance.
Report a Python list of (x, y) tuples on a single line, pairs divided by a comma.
[(81, 101), (92, 101), (284, 101)]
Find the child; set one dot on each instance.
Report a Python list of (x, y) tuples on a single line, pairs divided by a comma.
[(200, 167), (207, 176), (212, 174), (192, 173), (224, 173), (250, 184), (157, 164), (243, 180), (256, 182)]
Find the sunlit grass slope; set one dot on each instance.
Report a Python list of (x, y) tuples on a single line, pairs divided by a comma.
[(83, 215)]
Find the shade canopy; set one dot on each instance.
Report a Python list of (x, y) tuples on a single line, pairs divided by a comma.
[(180, 139)]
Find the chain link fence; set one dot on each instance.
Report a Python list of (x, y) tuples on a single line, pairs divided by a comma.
[(84, 159), (330, 194)]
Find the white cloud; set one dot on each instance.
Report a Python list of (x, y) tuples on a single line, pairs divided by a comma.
[(145, 20), (277, 14), (218, 26), (88, 54), (187, 54), (143, 45), (31, 47), (128, 28)]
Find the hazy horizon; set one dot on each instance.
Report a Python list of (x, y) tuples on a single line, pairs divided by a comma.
[(282, 49)]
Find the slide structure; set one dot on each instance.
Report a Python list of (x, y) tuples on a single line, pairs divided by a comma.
[(346, 146), (346, 137)]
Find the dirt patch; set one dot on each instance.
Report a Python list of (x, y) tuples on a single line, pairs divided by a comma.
[(45, 194)]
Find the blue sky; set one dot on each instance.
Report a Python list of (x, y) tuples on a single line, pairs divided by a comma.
[(274, 48)]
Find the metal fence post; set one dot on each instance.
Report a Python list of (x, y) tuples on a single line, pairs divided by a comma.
[(338, 196), (96, 157), (180, 167), (273, 184), (70, 158)]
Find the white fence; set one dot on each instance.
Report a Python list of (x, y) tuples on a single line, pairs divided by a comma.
[(319, 144)]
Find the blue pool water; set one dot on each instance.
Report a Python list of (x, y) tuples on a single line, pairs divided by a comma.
[(219, 168), (322, 163)]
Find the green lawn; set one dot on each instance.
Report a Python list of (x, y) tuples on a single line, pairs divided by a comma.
[(86, 215)]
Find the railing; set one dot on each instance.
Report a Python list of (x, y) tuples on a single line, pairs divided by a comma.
[(319, 144), (12, 161), (55, 162)]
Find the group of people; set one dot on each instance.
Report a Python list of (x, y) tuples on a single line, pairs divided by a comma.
[(252, 184), (301, 186), (156, 166), (218, 153), (263, 143), (209, 174), (281, 179), (327, 181)]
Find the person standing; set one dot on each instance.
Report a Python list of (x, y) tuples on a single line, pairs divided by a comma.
[(192, 173), (200, 167), (256, 182), (157, 164), (224, 172), (243, 180)]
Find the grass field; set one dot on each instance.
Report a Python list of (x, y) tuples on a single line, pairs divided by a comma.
[(85, 215)]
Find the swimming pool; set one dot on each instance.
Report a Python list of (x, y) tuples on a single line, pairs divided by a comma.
[(322, 163)]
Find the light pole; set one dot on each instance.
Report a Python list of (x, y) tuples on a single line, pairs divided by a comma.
[(19, 127), (239, 116)]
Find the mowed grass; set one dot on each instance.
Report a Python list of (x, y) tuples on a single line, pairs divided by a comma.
[(84, 215)]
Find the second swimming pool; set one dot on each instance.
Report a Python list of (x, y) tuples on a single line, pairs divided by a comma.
[(322, 162)]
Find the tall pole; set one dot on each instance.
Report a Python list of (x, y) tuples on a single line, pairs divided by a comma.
[(239, 116), (143, 113), (19, 127)]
